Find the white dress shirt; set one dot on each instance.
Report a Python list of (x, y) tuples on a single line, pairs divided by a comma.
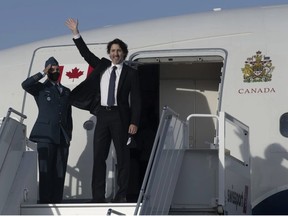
[(104, 83)]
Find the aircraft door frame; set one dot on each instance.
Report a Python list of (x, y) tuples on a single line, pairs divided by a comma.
[(193, 103)]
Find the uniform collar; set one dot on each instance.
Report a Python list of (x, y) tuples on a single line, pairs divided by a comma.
[(55, 83)]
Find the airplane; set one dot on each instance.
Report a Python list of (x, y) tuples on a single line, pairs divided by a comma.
[(213, 87)]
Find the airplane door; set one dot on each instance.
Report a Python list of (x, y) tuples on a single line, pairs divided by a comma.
[(188, 81)]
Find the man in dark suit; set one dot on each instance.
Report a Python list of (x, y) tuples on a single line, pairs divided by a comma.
[(116, 119), (52, 130)]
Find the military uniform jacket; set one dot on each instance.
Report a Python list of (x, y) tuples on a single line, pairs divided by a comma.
[(54, 111)]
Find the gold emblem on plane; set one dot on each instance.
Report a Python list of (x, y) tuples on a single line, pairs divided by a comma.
[(258, 68)]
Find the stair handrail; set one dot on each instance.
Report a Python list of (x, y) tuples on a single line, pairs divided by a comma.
[(219, 141), (10, 110), (153, 152), (205, 116), (3, 124)]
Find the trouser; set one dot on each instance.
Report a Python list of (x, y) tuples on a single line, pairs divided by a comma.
[(52, 161), (109, 127)]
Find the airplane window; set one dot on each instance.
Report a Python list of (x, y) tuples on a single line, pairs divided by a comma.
[(284, 125)]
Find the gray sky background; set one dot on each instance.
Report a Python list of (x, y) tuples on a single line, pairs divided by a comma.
[(25, 21)]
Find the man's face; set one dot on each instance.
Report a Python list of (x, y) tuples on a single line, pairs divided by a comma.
[(54, 69), (54, 73), (116, 54)]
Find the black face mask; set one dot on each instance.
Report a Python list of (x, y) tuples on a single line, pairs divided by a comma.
[(53, 76)]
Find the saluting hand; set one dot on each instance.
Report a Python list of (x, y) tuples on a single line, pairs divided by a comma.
[(46, 70)]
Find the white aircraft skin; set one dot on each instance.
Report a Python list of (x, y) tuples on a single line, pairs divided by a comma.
[(236, 35)]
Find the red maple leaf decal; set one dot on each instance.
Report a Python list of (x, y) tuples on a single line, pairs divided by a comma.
[(74, 74)]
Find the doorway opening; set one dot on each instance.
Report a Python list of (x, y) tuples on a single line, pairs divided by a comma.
[(188, 83)]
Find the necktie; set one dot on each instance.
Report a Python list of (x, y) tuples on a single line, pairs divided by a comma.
[(59, 89), (111, 89)]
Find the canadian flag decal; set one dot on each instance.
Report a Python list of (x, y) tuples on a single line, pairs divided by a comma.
[(73, 74)]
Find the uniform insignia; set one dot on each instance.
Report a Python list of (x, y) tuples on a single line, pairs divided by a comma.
[(258, 68), (48, 98)]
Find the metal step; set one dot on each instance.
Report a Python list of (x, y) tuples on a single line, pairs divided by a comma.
[(79, 209), (194, 211)]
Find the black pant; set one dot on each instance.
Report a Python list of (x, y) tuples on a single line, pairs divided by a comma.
[(109, 127), (52, 161)]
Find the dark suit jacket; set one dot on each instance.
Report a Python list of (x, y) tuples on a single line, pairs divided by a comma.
[(87, 94), (54, 111)]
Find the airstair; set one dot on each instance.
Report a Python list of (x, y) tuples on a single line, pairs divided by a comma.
[(18, 170), (180, 179)]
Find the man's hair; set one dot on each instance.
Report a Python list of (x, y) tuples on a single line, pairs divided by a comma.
[(122, 45)]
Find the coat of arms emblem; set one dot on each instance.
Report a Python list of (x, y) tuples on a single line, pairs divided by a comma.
[(258, 68)]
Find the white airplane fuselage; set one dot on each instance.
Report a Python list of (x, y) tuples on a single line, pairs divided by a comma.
[(233, 61)]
